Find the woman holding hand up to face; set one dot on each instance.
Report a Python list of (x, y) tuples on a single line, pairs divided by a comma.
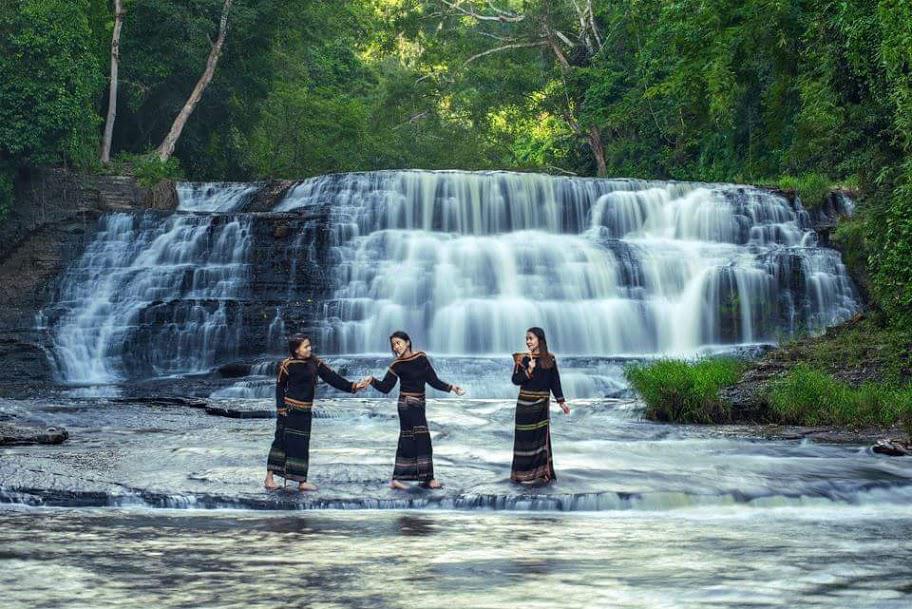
[(536, 374), (414, 458)]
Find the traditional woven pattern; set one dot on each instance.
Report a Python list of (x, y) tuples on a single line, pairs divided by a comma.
[(276, 460), (414, 458), (297, 445), (532, 438)]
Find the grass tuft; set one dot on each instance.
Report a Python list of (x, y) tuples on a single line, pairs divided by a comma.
[(807, 396), (677, 391)]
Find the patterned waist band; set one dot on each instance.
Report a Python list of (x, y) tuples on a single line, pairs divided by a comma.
[(411, 394), (293, 404), (538, 395)]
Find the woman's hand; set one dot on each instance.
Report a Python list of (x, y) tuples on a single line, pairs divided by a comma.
[(531, 365), (457, 390), (363, 383), (565, 407)]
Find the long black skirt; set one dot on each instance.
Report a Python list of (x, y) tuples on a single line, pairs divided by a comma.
[(532, 458), (289, 455), (414, 456)]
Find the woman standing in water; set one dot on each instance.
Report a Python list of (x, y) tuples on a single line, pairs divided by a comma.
[(414, 458), (536, 374), (289, 455)]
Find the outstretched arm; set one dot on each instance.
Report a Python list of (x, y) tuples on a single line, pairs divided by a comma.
[(331, 377), (430, 377), (388, 382)]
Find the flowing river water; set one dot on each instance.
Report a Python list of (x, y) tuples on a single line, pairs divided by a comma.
[(162, 506)]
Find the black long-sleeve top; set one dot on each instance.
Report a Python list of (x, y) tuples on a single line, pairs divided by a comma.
[(412, 372), (297, 379), (541, 379)]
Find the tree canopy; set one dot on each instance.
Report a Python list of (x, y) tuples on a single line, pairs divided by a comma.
[(816, 91)]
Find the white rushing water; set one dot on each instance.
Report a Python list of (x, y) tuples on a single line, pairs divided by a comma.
[(178, 274), (467, 261), (463, 261)]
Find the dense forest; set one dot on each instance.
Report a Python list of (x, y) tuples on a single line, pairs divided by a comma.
[(809, 94)]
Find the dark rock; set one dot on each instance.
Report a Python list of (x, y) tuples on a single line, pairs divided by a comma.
[(54, 218), (17, 434), (267, 197), (892, 448), (281, 231), (241, 412), (161, 196), (234, 370), (162, 401)]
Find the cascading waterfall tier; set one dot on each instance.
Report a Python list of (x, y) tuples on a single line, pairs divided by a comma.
[(467, 261), (153, 295), (463, 261)]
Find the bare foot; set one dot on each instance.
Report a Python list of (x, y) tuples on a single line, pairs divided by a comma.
[(306, 486), (399, 486), (269, 484), (536, 482), (433, 484)]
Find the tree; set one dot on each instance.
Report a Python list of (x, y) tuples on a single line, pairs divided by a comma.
[(167, 146), (541, 25), (50, 77), (112, 87)]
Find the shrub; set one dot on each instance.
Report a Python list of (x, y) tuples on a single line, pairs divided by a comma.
[(807, 396), (812, 188), (677, 391)]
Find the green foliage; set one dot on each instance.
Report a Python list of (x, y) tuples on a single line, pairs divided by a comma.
[(6, 190), (800, 94), (150, 170), (147, 168), (891, 258), (677, 391), (807, 396), (812, 188), (50, 78), (850, 238)]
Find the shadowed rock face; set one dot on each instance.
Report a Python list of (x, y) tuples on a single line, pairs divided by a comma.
[(57, 216), (52, 222)]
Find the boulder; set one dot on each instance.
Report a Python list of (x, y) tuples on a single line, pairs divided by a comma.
[(892, 448)]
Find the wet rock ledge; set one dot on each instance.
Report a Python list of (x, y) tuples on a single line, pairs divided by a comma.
[(13, 433)]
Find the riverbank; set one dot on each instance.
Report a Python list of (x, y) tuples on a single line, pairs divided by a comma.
[(852, 383)]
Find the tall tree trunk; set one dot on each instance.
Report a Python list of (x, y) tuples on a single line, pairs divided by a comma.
[(598, 150), (112, 89), (594, 136), (167, 146)]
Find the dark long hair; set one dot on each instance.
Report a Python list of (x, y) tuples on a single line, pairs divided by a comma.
[(402, 336), (545, 357), (295, 341)]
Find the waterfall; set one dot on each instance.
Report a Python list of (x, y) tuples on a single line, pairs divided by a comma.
[(467, 261), (153, 295), (463, 261)]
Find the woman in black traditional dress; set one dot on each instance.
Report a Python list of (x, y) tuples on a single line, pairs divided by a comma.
[(536, 374), (414, 458), (296, 381)]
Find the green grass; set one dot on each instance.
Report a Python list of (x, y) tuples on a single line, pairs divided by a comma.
[(808, 396), (146, 168), (677, 391), (812, 188), (867, 347)]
